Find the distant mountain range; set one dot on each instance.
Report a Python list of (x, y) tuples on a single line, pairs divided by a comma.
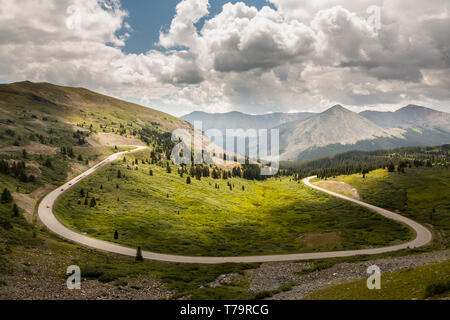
[(239, 120), (305, 136), (410, 117)]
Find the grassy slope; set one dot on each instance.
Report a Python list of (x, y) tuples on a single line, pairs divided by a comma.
[(41, 118), (400, 285), (162, 213), (426, 188), (77, 105)]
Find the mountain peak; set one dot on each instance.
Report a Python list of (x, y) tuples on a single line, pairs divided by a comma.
[(336, 109), (413, 107)]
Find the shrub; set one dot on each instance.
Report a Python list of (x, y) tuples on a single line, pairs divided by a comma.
[(48, 163), (5, 224), (121, 283), (109, 276), (139, 256), (15, 211), (436, 289), (91, 272), (6, 196)]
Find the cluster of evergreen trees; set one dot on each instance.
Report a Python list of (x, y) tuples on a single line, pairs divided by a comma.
[(162, 141), (6, 198), (17, 170), (68, 151), (363, 162), (88, 201), (79, 136)]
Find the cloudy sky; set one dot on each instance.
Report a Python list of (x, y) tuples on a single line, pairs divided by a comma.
[(255, 56)]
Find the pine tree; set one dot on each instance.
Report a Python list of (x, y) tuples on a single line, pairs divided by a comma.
[(86, 201), (15, 211), (116, 235), (119, 174), (48, 163), (6, 196), (188, 180), (93, 202), (82, 193), (151, 172), (391, 167), (139, 256)]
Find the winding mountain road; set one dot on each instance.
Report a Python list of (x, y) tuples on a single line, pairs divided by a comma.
[(48, 218)]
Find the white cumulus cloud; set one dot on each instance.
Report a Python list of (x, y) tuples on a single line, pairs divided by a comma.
[(295, 56)]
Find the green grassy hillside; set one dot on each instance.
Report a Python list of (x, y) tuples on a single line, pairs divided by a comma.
[(420, 193), (426, 282), (77, 106)]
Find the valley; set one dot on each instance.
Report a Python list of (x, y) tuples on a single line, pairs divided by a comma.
[(218, 217), (50, 134)]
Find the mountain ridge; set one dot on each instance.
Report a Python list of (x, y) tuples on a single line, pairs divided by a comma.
[(338, 129), (75, 104)]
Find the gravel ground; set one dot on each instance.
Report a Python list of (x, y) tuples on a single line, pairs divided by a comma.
[(271, 276), (45, 288), (350, 271), (224, 279), (36, 275)]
